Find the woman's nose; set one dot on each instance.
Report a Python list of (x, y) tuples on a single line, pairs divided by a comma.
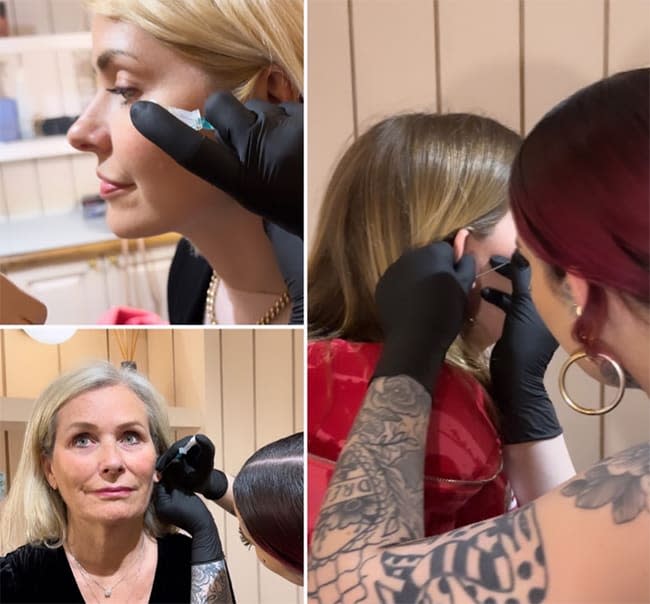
[(111, 461), (90, 133)]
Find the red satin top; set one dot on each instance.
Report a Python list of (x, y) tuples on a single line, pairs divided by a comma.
[(464, 482)]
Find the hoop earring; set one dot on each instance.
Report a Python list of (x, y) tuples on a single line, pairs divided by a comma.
[(576, 356)]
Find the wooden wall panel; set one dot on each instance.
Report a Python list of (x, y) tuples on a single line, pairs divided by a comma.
[(238, 375), (21, 190), (629, 35), (330, 113), (298, 380), (160, 352), (479, 65), (397, 35), (30, 365), (564, 51), (189, 360), (84, 345), (273, 386)]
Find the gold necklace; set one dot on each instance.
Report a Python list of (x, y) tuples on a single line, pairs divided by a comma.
[(266, 318), (108, 591)]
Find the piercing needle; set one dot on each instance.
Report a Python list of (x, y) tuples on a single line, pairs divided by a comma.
[(182, 451), (492, 269)]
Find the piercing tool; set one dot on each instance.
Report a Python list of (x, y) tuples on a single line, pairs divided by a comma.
[(492, 269), (182, 451)]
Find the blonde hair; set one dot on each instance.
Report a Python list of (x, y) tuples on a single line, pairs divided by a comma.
[(408, 181), (233, 40), (34, 512)]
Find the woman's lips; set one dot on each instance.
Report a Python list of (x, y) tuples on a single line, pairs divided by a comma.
[(108, 188), (114, 492)]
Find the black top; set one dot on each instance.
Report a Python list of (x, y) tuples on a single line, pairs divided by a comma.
[(34, 573), (189, 278)]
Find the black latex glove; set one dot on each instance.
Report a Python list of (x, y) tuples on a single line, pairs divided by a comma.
[(188, 512), (520, 358), (289, 251), (421, 301), (259, 160), (194, 471)]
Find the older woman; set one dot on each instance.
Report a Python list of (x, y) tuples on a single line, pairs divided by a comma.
[(178, 53), (579, 193), (266, 496), (80, 506)]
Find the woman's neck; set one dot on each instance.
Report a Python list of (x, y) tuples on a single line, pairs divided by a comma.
[(102, 549), (235, 245)]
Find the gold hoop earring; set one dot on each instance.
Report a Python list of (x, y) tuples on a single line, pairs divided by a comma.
[(576, 356)]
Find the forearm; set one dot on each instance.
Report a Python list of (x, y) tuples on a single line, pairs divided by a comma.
[(537, 467), (211, 583), (375, 497)]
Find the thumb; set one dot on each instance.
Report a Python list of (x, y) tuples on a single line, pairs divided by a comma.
[(466, 271), (228, 115)]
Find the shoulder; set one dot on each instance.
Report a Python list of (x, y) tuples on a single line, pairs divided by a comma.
[(19, 568)]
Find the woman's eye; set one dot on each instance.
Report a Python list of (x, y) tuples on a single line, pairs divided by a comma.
[(81, 440), (245, 541), (131, 438), (127, 93)]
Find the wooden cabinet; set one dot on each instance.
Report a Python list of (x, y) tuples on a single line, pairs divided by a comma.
[(80, 291)]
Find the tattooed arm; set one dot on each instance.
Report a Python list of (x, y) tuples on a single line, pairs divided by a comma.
[(211, 584), (585, 542)]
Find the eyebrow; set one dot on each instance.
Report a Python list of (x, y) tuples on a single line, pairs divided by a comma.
[(107, 57), (90, 426)]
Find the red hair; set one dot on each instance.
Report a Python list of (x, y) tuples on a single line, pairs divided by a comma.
[(580, 193)]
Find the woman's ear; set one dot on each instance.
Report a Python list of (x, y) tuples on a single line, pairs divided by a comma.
[(46, 464), (460, 239), (274, 86), (578, 288)]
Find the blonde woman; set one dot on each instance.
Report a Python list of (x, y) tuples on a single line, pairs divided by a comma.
[(80, 509), (178, 54), (408, 181)]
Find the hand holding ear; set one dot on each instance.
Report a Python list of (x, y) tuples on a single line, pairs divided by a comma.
[(258, 159), (520, 357), (421, 302)]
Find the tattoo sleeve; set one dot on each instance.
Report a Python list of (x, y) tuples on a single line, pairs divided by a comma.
[(211, 584), (375, 497), (622, 482)]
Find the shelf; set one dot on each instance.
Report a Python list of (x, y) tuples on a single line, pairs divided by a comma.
[(18, 410), (17, 44), (36, 148)]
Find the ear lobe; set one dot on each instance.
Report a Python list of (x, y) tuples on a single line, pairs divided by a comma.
[(460, 240), (274, 86)]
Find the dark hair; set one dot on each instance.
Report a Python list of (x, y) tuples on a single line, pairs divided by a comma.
[(269, 497), (580, 193)]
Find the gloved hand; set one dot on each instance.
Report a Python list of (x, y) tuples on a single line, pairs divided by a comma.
[(188, 512), (421, 301), (519, 359), (289, 251), (194, 471), (259, 160)]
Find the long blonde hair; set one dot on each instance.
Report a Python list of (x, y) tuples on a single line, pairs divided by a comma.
[(408, 181), (35, 513), (233, 40)]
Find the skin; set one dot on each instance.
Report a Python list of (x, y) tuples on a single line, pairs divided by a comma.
[(94, 451), (158, 195), (272, 563), (487, 326)]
